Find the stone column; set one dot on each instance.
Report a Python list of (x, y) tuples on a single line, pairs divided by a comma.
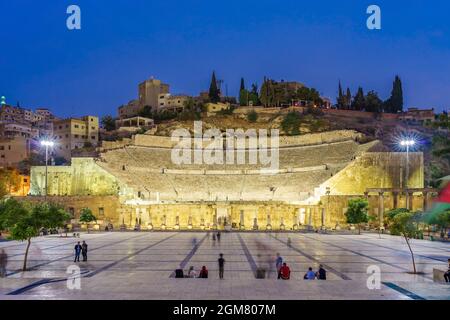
[(395, 199), (309, 217), (322, 218), (425, 200), (241, 220), (269, 223), (149, 223), (410, 200), (381, 208)]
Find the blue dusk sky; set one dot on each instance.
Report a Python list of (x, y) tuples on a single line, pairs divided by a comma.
[(123, 42)]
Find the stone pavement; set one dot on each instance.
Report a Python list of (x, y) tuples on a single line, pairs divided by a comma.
[(140, 265)]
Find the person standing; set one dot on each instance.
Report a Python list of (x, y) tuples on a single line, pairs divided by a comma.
[(221, 261), (279, 264), (321, 274), (447, 274), (3, 263), (77, 252), (218, 237), (84, 250)]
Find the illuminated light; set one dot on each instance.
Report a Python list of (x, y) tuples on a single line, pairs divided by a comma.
[(47, 143)]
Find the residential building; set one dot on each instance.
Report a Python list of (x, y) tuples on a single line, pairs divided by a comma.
[(14, 150), (149, 92), (75, 133), (418, 115), (129, 110), (172, 102), (154, 94)]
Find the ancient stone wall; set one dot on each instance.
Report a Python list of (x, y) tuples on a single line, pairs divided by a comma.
[(83, 177)]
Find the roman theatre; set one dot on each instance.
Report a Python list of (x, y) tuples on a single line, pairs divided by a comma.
[(133, 184)]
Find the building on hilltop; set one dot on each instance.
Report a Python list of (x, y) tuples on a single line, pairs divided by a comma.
[(75, 133), (155, 95)]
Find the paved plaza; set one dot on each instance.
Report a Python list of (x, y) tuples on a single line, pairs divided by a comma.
[(140, 265)]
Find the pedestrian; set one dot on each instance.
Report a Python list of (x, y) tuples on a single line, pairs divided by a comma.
[(77, 252), (279, 264), (203, 273), (309, 275), (321, 274), (194, 242), (447, 274), (221, 261), (3, 263), (289, 243), (285, 272), (192, 273), (84, 250), (218, 236)]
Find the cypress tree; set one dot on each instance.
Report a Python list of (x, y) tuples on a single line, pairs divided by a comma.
[(242, 85), (359, 102), (340, 98), (213, 90), (348, 99)]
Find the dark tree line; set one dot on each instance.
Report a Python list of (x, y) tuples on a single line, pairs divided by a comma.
[(371, 102)]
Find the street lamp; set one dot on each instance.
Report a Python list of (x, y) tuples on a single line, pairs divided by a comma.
[(407, 143), (46, 144)]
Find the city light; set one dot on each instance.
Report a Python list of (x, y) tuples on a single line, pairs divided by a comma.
[(47, 143), (407, 142)]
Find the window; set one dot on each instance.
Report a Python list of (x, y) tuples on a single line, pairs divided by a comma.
[(93, 137), (101, 212), (2, 148), (76, 126), (76, 136), (72, 212), (93, 128)]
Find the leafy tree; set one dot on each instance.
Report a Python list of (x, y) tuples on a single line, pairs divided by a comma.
[(244, 97), (214, 92), (395, 102), (108, 123), (373, 102), (406, 225), (9, 181), (25, 221), (253, 95), (267, 93), (357, 212), (359, 102), (291, 123), (86, 216), (252, 116), (441, 219), (146, 112)]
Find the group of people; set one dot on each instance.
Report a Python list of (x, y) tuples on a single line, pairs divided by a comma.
[(81, 249), (284, 272), (203, 274)]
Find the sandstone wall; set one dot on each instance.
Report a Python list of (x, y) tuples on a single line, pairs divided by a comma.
[(83, 177)]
